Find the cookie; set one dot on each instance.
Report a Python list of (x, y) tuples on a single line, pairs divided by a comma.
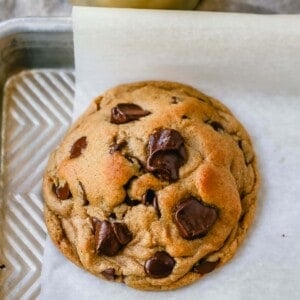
[(154, 186)]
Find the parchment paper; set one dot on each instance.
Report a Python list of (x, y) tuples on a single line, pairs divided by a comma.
[(251, 63)]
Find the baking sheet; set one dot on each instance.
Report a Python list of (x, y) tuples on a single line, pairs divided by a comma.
[(252, 64), (37, 108)]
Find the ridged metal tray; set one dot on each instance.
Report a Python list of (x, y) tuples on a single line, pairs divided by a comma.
[(36, 94)]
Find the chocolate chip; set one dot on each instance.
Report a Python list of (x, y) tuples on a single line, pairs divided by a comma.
[(127, 112), (117, 147), (203, 267), (122, 232), (78, 146), (150, 198), (84, 196), (106, 240), (193, 219), (2, 267), (62, 192), (216, 126), (160, 265), (110, 237), (184, 117), (109, 274), (166, 154)]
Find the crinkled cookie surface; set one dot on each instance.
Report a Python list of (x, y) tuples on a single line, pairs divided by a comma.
[(154, 186)]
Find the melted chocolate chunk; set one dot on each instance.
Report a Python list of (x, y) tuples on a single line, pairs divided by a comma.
[(2, 267), (106, 240), (193, 219), (110, 237), (109, 274), (204, 267), (166, 154), (117, 147), (62, 192), (122, 233), (78, 146), (127, 112), (160, 265)]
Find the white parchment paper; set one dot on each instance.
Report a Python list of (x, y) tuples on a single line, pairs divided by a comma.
[(251, 63)]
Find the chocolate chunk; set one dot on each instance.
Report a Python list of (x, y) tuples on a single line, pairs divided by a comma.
[(2, 267), (165, 166), (78, 146), (150, 198), (110, 237), (127, 112), (117, 147), (109, 274), (166, 154), (204, 267), (63, 192), (122, 233), (216, 126), (194, 219), (160, 265), (106, 240)]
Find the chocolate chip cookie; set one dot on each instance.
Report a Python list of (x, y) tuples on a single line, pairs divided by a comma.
[(154, 186)]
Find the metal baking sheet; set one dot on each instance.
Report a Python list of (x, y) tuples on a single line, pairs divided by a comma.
[(36, 94)]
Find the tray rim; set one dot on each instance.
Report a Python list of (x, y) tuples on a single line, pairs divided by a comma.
[(35, 24), (24, 26)]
